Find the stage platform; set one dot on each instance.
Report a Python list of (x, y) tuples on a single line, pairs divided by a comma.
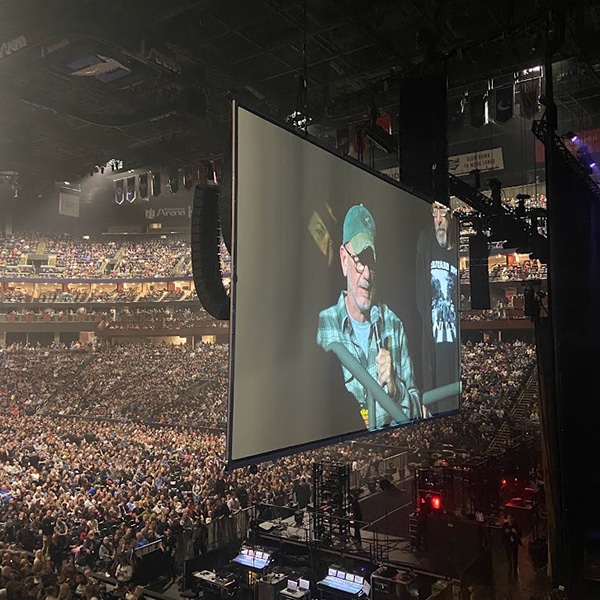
[(384, 536)]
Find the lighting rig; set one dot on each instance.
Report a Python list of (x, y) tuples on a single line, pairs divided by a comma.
[(517, 228)]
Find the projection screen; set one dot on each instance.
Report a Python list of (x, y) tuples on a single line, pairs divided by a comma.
[(344, 301)]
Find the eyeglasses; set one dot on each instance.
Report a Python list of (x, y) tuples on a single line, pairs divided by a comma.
[(358, 264), (437, 211)]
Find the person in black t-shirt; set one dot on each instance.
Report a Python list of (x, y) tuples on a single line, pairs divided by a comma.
[(437, 300)]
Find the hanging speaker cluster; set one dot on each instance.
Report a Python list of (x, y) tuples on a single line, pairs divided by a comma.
[(205, 242)]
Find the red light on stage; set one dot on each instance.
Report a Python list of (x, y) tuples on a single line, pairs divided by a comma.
[(503, 482), (436, 502)]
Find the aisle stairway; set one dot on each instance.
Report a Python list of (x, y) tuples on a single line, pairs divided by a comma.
[(518, 413)]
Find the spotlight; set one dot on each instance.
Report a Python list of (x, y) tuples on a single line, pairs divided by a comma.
[(436, 502), (571, 135), (585, 158)]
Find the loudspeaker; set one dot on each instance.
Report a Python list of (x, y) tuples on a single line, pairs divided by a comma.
[(422, 127), (477, 109), (478, 272), (453, 544), (205, 253)]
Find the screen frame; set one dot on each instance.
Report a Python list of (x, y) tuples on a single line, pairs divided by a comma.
[(310, 445)]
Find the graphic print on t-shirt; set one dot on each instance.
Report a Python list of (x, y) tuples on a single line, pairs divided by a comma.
[(444, 281)]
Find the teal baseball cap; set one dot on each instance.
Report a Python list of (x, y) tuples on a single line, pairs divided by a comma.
[(359, 229)]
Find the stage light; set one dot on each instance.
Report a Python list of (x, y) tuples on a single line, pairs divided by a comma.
[(570, 135), (592, 164), (503, 482), (436, 502)]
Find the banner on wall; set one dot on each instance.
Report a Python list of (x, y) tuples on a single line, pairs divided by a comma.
[(143, 186), (119, 191), (130, 189), (485, 160)]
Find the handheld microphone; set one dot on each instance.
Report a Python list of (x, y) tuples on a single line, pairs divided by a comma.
[(375, 318)]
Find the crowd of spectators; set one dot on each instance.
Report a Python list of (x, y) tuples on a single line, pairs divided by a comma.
[(101, 452), (13, 296), (492, 376), (124, 318), (517, 271), (77, 258), (152, 258), (68, 258), (167, 318), (91, 295), (177, 384), (492, 314), (14, 247)]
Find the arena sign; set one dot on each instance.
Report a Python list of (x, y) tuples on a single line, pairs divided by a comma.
[(169, 212)]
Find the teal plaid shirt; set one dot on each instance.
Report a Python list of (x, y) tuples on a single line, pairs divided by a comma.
[(335, 326)]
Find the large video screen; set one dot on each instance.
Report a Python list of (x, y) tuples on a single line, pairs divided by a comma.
[(345, 298)]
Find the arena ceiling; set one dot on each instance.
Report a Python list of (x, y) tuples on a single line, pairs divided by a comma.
[(84, 81)]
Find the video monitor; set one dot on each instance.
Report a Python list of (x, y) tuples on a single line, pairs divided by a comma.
[(345, 297), (303, 584), (359, 579), (349, 577), (331, 572), (292, 585)]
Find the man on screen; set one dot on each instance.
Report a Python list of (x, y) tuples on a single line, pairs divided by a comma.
[(437, 291), (370, 331)]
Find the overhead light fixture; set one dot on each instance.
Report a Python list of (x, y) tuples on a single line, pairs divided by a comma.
[(585, 158), (570, 135), (67, 182), (298, 119)]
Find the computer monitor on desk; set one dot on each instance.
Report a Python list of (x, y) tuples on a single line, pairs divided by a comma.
[(303, 584)]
